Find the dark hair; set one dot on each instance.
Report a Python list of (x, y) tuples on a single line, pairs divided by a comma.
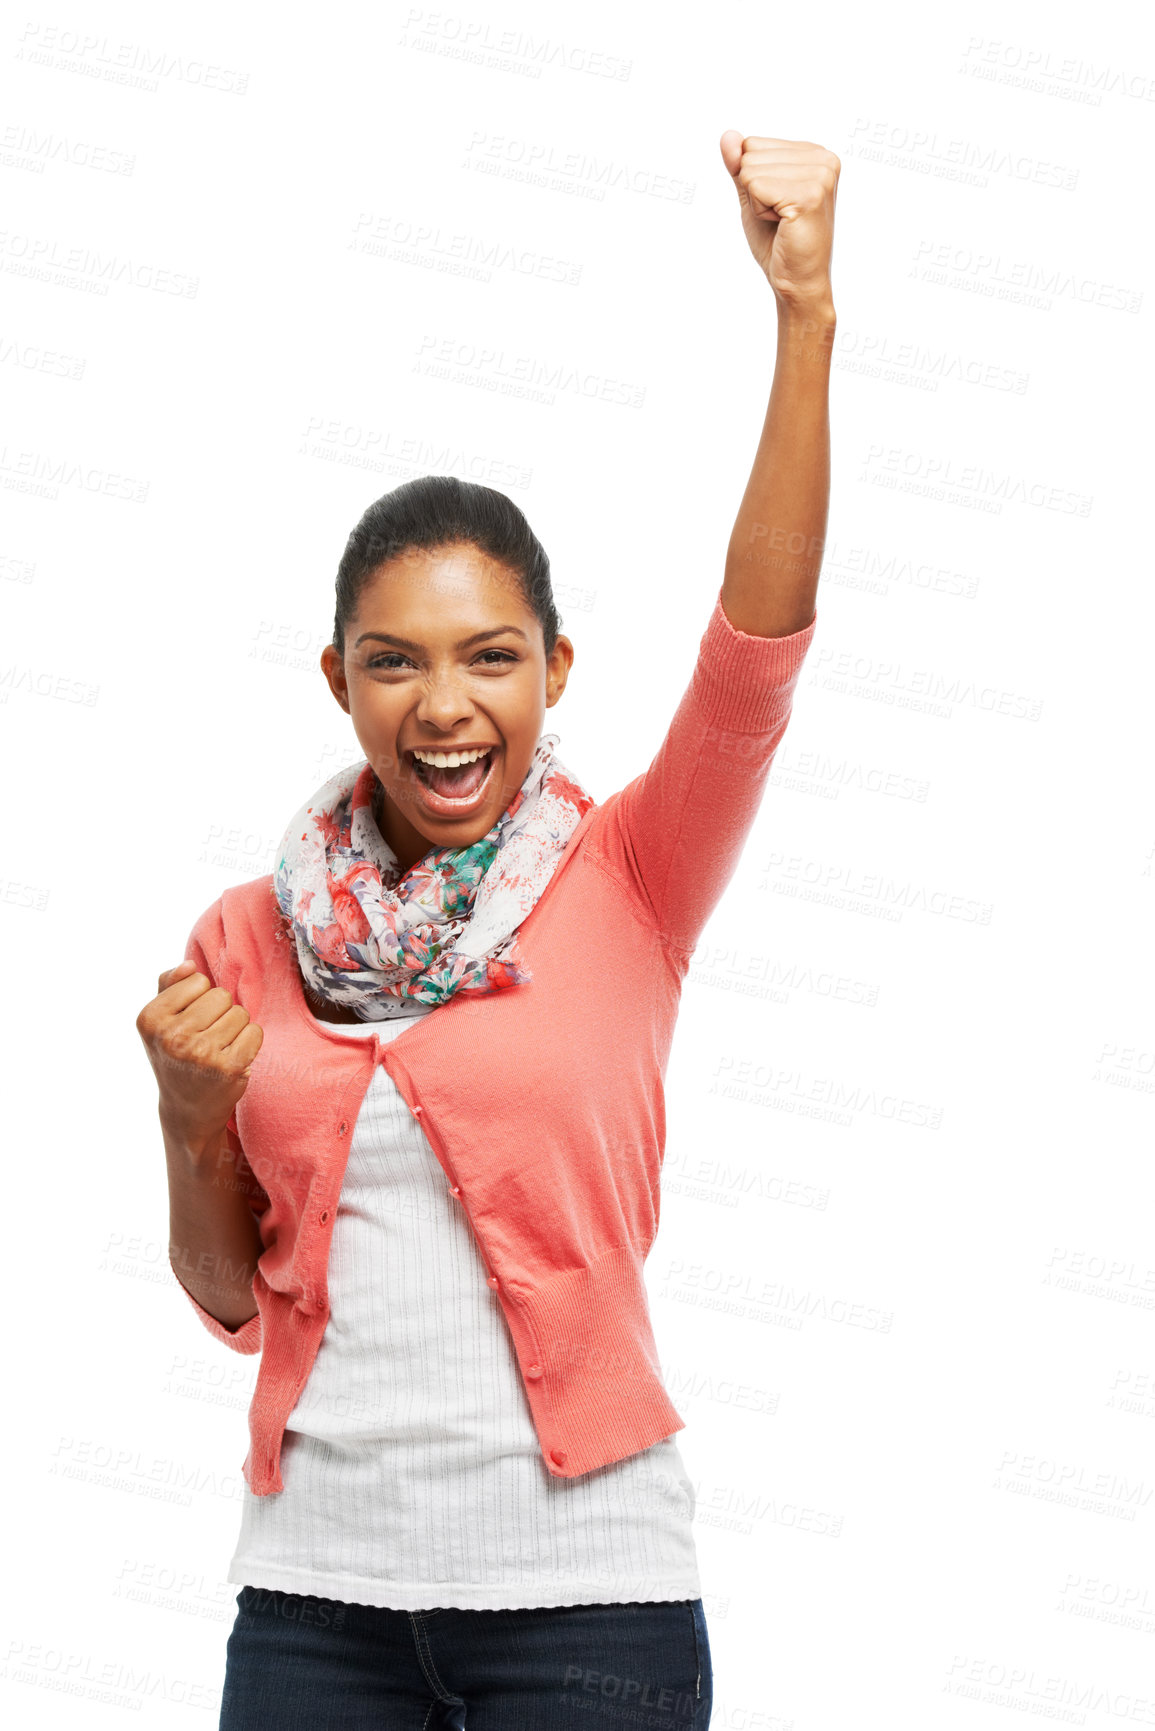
[(436, 511)]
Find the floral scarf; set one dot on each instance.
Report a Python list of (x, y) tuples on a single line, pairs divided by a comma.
[(389, 944)]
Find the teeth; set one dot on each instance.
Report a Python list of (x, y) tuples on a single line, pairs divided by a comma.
[(450, 759)]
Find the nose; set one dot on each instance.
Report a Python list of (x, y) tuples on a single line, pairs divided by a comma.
[(444, 703)]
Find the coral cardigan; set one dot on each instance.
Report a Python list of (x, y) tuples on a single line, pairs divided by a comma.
[(546, 1115)]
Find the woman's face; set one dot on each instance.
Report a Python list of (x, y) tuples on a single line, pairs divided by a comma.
[(443, 654)]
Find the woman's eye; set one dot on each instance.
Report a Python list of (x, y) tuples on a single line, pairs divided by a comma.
[(389, 662)]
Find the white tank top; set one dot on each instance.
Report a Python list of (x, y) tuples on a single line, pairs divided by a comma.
[(413, 1475)]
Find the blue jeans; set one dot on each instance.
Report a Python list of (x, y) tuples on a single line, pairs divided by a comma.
[(299, 1663)]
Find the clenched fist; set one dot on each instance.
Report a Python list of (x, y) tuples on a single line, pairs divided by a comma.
[(201, 1046), (787, 191)]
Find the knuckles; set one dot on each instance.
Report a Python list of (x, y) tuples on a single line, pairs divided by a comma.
[(827, 165)]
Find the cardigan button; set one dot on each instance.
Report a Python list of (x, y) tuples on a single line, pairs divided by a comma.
[(492, 1280), (533, 1370), (455, 1190), (558, 1457), (417, 1111)]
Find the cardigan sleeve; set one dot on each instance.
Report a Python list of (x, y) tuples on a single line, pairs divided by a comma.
[(675, 833), (206, 948)]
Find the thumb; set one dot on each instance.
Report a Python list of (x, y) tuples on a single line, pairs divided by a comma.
[(730, 144)]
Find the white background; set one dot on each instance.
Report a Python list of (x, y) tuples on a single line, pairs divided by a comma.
[(904, 1283)]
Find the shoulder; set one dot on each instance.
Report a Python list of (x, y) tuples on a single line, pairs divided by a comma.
[(237, 928), (253, 902)]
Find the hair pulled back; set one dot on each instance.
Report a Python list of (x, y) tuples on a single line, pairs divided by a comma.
[(437, 511)]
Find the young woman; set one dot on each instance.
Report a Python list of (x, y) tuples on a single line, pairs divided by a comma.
[(411, 1098)]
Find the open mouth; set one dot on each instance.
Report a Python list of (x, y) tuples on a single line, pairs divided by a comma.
[(451, 789)]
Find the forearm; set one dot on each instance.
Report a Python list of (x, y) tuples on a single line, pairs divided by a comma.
[(775, 552), (214, 1238)]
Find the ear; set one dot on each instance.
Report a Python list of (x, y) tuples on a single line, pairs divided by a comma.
[(333, 667), (557, 670)]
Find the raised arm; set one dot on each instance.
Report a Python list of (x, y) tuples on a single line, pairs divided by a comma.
[(674, 835), (786, 192)]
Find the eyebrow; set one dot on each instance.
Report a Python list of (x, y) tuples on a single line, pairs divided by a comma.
[(465, 643)]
